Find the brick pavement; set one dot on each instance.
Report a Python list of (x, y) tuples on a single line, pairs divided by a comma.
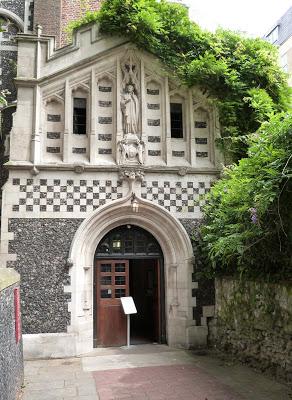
[(161, 383)]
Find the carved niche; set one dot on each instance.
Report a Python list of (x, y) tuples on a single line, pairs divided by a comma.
[(131, 147)]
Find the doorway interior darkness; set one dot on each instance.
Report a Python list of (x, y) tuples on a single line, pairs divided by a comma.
[(129, 262)]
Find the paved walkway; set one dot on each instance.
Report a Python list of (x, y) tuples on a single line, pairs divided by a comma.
[(151, 372)]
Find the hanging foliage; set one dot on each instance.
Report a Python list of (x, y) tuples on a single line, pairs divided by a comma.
[(241, 75), (247, 226)]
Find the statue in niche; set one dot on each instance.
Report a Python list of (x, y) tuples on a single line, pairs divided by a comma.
[(130, 110), (131, 147)]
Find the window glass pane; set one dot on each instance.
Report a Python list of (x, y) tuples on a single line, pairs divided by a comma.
[(120, 293), (120, 268), (106, 268), (106, 293), (152, 248), (176, 116), (129, 246), (120, 280), (117, 244), (104, 247), (273, 36), (79, 116), (106, 280)]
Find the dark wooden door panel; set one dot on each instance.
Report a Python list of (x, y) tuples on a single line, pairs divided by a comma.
[(113, 326), (112, 283)]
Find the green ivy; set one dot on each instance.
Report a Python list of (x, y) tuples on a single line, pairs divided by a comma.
[(247, 226), (248, 219), (240, 75)]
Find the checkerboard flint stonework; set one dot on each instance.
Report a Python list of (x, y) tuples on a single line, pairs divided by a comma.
[(46, 195), (84, 196), (176, 197)]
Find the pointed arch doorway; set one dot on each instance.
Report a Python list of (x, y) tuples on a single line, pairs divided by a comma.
[(129, 262)]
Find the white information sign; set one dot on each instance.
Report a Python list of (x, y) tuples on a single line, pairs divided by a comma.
[(128, 305)]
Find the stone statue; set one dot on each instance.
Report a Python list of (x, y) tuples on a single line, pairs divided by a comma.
[(130, 110), (131, 148)]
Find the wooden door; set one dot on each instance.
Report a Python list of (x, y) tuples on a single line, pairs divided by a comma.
[(112, 283)]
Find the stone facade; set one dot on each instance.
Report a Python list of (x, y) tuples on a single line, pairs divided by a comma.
[(254, 322), (22, 16), (69, 185), (11, 359)]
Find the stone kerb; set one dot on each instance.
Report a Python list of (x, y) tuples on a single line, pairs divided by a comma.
[(178, 255)]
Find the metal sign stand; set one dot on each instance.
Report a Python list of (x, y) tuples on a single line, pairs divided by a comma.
[(129, 308), (128, 330)]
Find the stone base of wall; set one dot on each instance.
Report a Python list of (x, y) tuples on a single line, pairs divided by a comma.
[(254, 323), (49, 345)]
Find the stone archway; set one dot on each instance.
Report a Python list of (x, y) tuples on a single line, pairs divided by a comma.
[(13, 17), (178, 258)]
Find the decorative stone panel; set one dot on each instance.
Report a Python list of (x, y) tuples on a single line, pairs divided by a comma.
[(201, 140), (176, 197), (67, 196), (154, 139), (153, 122), (54, 118), (178, 153), (53, 135), (154, 153), (202, 154)]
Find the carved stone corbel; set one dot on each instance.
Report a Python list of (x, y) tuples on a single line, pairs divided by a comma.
[(131, 175)]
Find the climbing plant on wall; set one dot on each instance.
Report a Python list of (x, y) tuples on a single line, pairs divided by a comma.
[(241, 75), (247, 226)]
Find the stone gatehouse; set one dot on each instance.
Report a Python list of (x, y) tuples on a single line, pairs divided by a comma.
[(110, 159)]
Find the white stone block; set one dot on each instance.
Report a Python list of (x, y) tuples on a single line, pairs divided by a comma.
[(48, 345)]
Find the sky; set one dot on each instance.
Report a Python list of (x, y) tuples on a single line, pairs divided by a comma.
[(255, 17)]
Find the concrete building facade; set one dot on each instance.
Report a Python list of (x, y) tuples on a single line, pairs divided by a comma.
[(281, 35)]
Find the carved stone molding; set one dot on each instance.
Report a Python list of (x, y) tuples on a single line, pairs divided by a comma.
[(131, 174), (34, 171), (182, 171), (79, 168), (69, 263)]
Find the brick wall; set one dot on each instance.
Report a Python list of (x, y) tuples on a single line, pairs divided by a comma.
[(54, 15), (48, 15), (73, 9)]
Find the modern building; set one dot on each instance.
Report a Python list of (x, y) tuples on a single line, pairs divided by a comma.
[(109, 162), (281, 35)]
